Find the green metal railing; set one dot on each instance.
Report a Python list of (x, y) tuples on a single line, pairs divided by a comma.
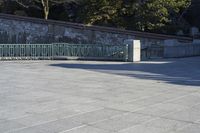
[(25, 51), (56, 50), (151, 52)]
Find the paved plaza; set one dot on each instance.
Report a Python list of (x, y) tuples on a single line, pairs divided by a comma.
[(161, 96)]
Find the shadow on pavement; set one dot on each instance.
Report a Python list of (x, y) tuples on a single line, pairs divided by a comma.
[(185, 71)]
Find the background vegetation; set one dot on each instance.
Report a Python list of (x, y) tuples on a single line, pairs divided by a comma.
[(159, 16)]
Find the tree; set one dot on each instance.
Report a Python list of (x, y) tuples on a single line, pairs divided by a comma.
[(143, 15), (98, 11), (162, 16), (192, 14), (155, 15), (46, 4), (4, 5)]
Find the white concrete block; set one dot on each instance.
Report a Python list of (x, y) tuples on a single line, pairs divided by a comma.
[(134, 50)]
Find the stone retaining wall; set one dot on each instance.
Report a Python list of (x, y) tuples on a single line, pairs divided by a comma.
[(15, 29)]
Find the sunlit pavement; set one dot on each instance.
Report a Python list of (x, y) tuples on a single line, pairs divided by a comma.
[(160, 96)]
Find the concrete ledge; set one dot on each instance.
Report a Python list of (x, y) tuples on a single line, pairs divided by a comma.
[(62, 58), (87, 58)]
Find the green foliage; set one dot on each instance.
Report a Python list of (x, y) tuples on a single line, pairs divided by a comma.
[(155, 15), (99, 11), (162, 16), (149, 15)]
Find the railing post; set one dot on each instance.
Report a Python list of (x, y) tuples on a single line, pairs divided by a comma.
[(126, 52), (52, 51), (134, 50)]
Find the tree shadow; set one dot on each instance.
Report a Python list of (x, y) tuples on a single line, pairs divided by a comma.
[(184, 71)]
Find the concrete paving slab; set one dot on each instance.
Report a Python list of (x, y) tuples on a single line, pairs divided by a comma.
[(122, 122), (7, 125), (191, 115), (87, 129), (167, 124), (96, 116), (189, 100), (192, 128), (162, 109), (143, 129), (52, 127)]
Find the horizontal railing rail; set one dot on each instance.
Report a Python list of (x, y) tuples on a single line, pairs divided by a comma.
[(62, 50)]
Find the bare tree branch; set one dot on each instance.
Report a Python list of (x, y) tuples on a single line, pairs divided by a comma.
[(46, 4), (22, 4)]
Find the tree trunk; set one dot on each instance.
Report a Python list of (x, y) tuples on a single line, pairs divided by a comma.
[(46, 13), (45, 4)]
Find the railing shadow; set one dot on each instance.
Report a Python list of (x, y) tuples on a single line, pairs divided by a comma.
[(184, 71)]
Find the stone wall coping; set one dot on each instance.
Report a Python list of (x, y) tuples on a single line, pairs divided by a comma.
[(95, 28)]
